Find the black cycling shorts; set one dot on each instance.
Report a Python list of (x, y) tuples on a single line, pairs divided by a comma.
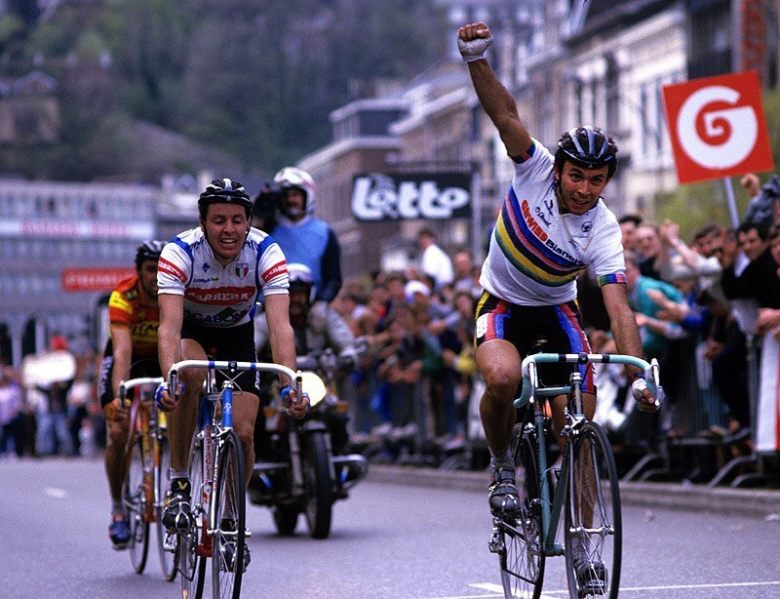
[(531, 329), (227, 343), (143, 367)]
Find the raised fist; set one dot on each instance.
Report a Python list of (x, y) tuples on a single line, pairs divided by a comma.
[(473, 41)]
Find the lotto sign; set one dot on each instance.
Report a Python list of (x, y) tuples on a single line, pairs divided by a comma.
[(717, 127)]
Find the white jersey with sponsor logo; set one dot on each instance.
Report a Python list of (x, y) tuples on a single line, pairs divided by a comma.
[(536, 253), (216, 295)]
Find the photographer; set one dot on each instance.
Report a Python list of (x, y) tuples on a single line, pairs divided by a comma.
[(286, 212)]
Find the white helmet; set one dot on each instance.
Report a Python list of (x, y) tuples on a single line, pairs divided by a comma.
[(301, 277), (291, 176)]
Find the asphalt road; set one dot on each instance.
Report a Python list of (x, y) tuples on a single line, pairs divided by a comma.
[(389, 539)]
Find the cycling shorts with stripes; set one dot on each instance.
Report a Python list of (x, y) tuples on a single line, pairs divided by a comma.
[(531, 329)]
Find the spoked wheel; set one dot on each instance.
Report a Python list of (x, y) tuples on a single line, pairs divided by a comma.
[(230, 556), (319, 486), (167, 558), (520, 547), (191, 564), (134, 502), (592, 521)]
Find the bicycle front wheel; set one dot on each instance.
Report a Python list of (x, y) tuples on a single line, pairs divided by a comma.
[(319, 485), (134, 502), (189, 551), (167, 557), (592, 521), (230, 556), (521, 555)]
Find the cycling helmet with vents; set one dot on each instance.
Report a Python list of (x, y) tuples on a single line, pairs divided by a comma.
[(587, 147), (148, 250), (224, 191)]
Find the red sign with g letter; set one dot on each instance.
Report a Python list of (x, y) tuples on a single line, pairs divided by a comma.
[(717, 127)]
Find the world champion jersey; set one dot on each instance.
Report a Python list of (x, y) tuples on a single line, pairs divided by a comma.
[(126, 308), (216, 295), (536, 253)]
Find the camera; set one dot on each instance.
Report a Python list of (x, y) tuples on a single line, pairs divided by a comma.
[(266, 203)]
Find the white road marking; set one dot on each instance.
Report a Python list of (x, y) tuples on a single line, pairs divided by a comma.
[(53, 492), (715, 585), (496, 590)]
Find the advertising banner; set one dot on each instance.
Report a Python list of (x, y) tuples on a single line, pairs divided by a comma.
[(406, 196)]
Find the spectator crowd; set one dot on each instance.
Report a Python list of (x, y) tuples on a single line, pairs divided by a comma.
[(705, 307)]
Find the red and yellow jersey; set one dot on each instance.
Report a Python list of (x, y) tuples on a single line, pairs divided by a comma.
[(126, 308)]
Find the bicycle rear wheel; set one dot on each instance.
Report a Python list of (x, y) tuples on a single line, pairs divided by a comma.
[(521, 556), (134, 502), (229, 539), (167, 558), (192, 565), (592, 520)]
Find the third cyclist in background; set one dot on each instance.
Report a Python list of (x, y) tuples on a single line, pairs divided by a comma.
[(131, 351)]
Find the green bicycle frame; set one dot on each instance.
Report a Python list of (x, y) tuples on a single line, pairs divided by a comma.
[(574, 417)]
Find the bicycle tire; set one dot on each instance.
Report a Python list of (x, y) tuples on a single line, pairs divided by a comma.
[(192, 565), (522, 558), (286, 518), (591, 461), (167, 558), (229, 541), (318, 507), (134, 502)]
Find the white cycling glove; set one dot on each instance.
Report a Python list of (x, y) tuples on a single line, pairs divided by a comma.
[(638, 387), (474, 49)]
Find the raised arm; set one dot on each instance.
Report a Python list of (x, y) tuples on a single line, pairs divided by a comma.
[(473, 41)]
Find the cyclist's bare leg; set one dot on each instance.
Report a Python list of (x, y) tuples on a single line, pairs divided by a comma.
[(182, 420), (245, 406), (499, 362), (114, 457)]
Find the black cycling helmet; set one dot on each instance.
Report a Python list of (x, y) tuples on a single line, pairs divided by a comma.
[(588, 147), (224, 191), (148, 250)]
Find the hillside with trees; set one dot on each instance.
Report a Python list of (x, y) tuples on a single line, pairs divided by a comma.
[(242, 83)]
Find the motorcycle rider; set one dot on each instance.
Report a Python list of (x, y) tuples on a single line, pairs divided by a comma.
[(336, 334), (309, 340)]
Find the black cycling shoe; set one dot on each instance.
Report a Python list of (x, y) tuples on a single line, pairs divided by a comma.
[(504, 500), (228, 548), (591, 576), (176, 510), (119, 532)]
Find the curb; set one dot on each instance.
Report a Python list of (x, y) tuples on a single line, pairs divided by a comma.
[(752, 503)]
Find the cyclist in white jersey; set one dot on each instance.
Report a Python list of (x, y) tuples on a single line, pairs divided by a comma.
[(553, 225), (209, 281)]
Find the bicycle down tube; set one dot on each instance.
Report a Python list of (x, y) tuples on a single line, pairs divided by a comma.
[(531, 389)]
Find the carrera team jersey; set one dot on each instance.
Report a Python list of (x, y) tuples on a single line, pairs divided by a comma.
[(536, 253), (125, 308), (216, 295)]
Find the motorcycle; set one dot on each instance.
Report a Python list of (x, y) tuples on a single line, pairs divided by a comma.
[(304, 466)]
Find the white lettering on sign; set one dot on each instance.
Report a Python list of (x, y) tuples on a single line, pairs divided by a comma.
[(378, 197), (81, 230), (728, 135)]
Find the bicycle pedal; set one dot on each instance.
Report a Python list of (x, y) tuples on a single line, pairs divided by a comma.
[(170, 542), (496, 543)]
